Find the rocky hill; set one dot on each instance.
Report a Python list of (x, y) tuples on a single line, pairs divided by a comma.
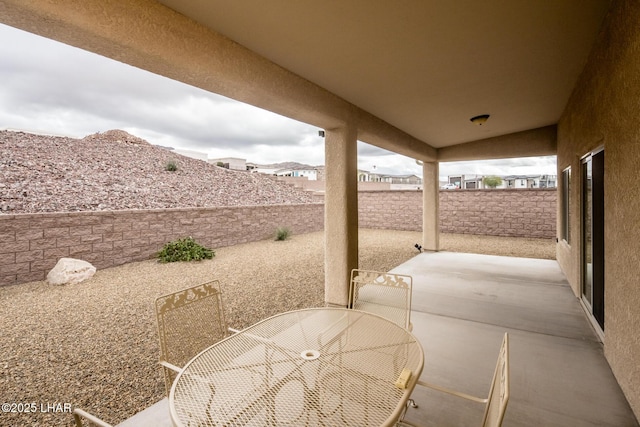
[(114, 170)]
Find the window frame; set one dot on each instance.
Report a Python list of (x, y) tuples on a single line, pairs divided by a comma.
[(565, 207)]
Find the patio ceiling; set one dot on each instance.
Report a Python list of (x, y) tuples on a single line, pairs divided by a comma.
[(423, 66)]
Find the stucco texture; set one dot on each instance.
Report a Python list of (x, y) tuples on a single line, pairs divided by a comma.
[(603, 111)]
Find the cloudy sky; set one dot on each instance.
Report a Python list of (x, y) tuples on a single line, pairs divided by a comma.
[(53, 88)]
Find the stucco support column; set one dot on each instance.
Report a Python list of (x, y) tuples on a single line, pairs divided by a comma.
[(340, 213), (430, 206)]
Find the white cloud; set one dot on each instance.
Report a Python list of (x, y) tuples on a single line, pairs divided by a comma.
[(51, 87)]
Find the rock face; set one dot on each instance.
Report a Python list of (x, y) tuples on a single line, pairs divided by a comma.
[(116, 171), (70, 271)]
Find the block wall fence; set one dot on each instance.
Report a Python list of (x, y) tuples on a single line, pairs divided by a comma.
[(31, 244), (501, 212)]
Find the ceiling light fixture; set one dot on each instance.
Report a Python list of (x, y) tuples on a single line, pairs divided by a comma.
[(480, 120)]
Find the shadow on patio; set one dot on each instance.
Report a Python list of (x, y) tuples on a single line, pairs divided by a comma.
[(462, 306)]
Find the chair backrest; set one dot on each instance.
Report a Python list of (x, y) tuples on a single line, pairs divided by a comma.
[(189, 321), (385, 294), (499, 392)]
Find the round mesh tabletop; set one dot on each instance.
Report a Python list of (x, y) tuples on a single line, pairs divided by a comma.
[(313, 367)]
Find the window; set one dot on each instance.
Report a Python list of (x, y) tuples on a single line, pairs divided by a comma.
[(565, 217)]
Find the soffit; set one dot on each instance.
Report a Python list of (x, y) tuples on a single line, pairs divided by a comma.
[(424, 66)]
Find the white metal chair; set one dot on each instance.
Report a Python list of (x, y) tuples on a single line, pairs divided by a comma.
[(496, 402), (188, 321), (156, 415), (385, 294), (79, 415)]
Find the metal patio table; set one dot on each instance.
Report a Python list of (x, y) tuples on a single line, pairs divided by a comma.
[(312, 367)]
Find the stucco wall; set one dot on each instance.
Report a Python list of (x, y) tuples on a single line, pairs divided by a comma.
[(603, 111)]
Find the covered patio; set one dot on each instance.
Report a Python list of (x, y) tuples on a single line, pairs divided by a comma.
[(557, 78), (462, 306)]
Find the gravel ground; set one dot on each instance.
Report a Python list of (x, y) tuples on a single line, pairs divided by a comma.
[(94, 344)]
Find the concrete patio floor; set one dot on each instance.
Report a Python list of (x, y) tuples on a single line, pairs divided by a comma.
[(462, 306)]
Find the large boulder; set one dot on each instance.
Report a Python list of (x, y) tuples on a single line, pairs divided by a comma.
[(70, 271)]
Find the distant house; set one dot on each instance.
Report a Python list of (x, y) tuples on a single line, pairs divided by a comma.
[(530, 181), (232, 163), (509, 181), (289, 169), (187, 153), (366, 176), (405, 179), (310, 173), (265, 169), (548, 181), (316, 173), (191, 153), (466, 181)]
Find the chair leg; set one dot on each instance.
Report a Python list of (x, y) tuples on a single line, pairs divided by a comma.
[(79, 414), (401, 421), (405, 423)]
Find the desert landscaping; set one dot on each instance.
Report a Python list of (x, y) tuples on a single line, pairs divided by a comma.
[(115, 170), (94, 344)]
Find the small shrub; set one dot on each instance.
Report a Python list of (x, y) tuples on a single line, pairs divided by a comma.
[(171, 166), (282, 233), (184, 250)]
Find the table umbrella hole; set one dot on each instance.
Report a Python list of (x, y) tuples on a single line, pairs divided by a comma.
[(310, 354)]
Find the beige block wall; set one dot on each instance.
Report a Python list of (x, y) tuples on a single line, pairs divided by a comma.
[(510, 213), (390, 210), (32, 244), (604, 111), (504, 212)]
